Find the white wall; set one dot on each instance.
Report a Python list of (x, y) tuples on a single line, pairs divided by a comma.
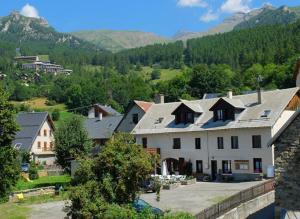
[(41, 138), (209, 146), (127, 125)]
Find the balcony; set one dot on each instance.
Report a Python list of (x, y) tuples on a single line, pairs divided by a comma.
[(47, 149), (153, 150)]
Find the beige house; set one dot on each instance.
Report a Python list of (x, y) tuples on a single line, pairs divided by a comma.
[(226, 135), (36, 136)]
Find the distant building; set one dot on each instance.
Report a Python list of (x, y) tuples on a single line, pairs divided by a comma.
[(36, 136), (42, 63)]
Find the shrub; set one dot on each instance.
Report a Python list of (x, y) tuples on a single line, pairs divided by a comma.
[(33, 171), (55, 115), (50, 102), (155, 74)]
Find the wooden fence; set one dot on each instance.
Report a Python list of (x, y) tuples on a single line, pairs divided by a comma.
[(235, 200)]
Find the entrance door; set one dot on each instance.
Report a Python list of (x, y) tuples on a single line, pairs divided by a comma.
[(257, 165), (214, 169), (181, 165)]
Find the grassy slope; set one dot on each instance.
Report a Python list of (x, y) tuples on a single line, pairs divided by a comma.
[(38, 104), (166, 74)]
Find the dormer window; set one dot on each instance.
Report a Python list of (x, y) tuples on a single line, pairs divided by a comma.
[(186, 112), (226, 109), (266, 114)]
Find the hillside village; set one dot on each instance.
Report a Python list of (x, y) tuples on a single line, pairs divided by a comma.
[(128, 124)]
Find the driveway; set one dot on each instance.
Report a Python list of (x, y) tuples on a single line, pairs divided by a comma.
[(50, 210), (194, 198)]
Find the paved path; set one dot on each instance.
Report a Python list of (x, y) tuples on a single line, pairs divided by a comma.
[(194, 198), (50, 210)]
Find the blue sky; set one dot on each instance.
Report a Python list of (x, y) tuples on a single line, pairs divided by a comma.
[(163, 17)]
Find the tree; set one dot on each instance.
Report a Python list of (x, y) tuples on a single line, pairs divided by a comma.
[(113, 177), (9, 166), (71, 141), (155, 74), (55, 114)]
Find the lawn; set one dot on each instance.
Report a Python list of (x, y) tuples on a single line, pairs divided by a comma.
[(43, 181), (166, 74)]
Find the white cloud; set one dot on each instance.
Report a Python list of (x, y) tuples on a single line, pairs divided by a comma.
[(191, 3), (232, 6), (29, 11), (209, 16)]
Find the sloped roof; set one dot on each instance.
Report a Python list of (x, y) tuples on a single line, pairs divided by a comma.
[(102, 129), (195, 107), (108, 109), (143, 105), (30, 124), (236, 103), (250, 117)]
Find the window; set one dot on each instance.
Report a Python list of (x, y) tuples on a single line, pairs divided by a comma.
[(197, 143), (51, 145), (45, 132), (241, 164), (199, 166), (176, 143), (234, 142), (18, 146), (220, 143), (220, 115), (257, 165), (144, 142), (266, 114), (226, 166), (135, 118), (256, 141), (45, 145), (190, 118), (39, 145)]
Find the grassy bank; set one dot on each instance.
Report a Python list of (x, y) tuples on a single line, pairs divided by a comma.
[(63, 180)]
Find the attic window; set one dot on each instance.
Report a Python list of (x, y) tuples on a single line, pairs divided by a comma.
[(265, 114), (159, 120), (18, 146)]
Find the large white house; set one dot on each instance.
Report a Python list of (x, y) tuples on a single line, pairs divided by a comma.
[(228, 135), (36, 136)]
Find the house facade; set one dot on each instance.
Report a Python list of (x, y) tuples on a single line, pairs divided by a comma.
[(218, 135), (133, 114), (36, 136)]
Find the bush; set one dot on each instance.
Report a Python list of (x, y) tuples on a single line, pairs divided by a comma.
[(33, 171), (55, 115), (50, 102), (155, 74)]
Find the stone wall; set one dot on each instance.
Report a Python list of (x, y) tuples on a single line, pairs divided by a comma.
[(287, 167)]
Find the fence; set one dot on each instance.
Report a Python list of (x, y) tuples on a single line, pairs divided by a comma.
[(235, 200)]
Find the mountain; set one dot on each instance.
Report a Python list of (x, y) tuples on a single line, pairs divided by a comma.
[(270, 16), (24, 29), (227, 25), (119, 40)]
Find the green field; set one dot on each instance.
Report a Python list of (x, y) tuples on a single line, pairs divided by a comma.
[(43, 181), (166, 74)]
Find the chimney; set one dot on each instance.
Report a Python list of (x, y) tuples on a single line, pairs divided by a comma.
[(159, 98), (259, 96), (100, 116), (229, 94)]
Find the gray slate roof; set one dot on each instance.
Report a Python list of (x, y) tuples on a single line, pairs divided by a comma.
[(275, 100), (109, 110), (30, 124), (102, 129)]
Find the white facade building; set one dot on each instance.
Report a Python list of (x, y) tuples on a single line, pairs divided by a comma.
[(228, 135)]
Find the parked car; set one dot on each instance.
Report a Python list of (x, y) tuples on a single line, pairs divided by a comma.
[(25, 167), (139, 205), (148, 186)]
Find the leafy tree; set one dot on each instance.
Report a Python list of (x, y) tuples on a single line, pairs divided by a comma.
[(113, 177), (71, 140), (55, 114), (155, 74), (9, 166)]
